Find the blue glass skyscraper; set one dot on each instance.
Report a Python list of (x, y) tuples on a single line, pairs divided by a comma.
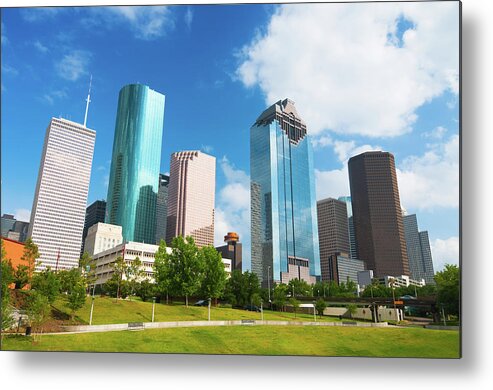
[(134, 176), (284, 230)]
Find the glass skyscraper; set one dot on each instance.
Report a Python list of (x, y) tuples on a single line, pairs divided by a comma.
[(284, 230), (133, 185)]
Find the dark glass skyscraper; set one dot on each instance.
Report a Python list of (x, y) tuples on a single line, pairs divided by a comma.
[(95, 213), (133, 186), (377, 213), (162, 208), (284, 230)]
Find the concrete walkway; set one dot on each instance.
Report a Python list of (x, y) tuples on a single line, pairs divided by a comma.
[(182, 324)]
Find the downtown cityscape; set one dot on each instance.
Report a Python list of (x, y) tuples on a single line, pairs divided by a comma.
[(256, 198)]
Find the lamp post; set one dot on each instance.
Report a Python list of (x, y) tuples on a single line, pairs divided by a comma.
[(314, 314), (262, 310), (92, 304), (153, 305), (268, 281), (209, 314), (392, 284)]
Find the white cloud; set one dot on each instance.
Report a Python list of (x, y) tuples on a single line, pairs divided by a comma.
[(232, 212), (7, 69), (188, 17), (148, 22), (22, 215), (347, 69), (445, 252), (38, 45), (437, 133), (207, 148), (431, 180), (36, 14), (74, 65), (53, 95), (4, 35)]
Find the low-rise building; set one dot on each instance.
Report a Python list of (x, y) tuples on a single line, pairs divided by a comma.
[(232, 250), (343, 268), (401, 281), (101, 237)]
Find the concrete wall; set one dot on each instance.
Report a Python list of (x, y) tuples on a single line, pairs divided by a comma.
[(384, 314)]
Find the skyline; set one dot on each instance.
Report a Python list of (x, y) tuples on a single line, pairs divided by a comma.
[(236, 70)]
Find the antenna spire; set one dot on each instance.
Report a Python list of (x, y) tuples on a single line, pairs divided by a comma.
[(88, 100)]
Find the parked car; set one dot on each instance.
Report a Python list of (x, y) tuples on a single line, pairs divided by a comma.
[(404, 297), (251, 308), (202, 302)]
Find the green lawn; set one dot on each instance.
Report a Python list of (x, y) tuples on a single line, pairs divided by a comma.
[(109, 311), (261, 340)]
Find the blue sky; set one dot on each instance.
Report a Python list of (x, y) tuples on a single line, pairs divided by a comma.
[(363, 76)]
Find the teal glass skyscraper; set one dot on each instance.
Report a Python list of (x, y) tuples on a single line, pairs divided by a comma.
[(134, 176), (284, 232)]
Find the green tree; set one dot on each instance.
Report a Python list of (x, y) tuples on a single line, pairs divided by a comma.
[(47, 283), (280, 296), (185, 267), (296, 305), (321, 289), (448, 288), (76, 298), (38, 309), (6, 278), (214, 275), (30, 255), (21, 276), (351, 309), (87, 268), (146, 290), (162, 271), (120, 268), (320, 306), (68, 278), (240, 287), (300, 288), (114, 286), (134, 274), (256, 299)]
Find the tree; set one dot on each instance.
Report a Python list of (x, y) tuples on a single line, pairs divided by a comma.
[(37, 310), (30, 255), (87, 268), (185, 267), (120, 268), (6, 278), (448, 289), (76, 298), (21, 276), (146, 290), (47, 283), (240, 287), (296, 304), (162, 271), (320, 306), (300, 288), (321, 289), (280, 296), (68, 279), (351, 308), (134, 273), (214, 275), (114, 286), (256, 300)]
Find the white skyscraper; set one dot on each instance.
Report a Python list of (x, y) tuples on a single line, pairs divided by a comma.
[(59, 207)]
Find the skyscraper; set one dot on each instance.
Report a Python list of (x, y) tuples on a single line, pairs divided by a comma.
[(377, 213), (191, 196), (418, 250), (232, 250), (59, 207), (95, 213), (353, 252), (284, 230), (135, 163), (162, 208), (333, 232)]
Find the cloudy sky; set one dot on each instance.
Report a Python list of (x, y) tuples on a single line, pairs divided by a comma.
[(376, 76)]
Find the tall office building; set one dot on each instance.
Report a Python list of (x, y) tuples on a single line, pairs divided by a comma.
[(233, 250), (8, 222), (353, 251), (59, 207), (133, 185), (191, 196), (418, 250), (284, 230), (377, 213), (162, 208), (333, 232), (95, 213)]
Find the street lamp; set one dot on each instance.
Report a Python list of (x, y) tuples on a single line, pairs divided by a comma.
[(262, 309), (92, 304), (314, 314), (209, 316), (392, 284), (153, 304), (268, 281)]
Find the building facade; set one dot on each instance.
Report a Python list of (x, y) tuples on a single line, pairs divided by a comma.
[(377, 213), (418, 250), (102, 236), (333, 232), (282, 190), (353, 250), (14, 229), (95, 213), (343, 268), (59, 207), (135, 163), (8, 222), (191, 197), (232, 250), (162, 208)]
